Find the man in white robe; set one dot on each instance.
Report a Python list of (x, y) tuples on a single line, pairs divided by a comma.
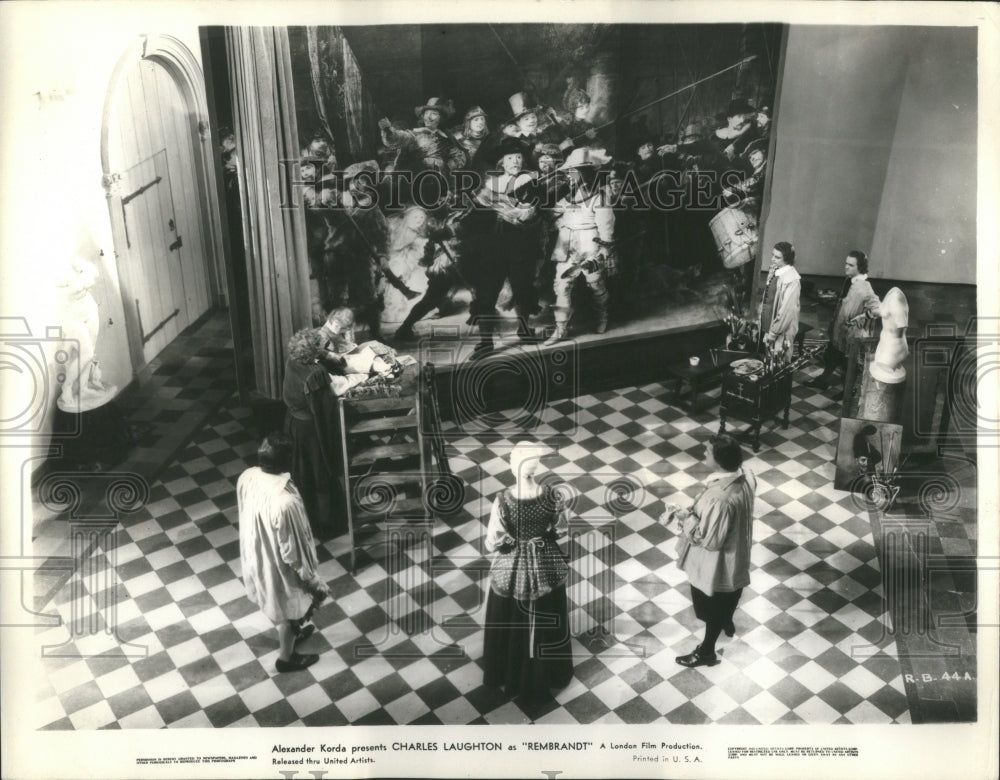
[(277, 551)]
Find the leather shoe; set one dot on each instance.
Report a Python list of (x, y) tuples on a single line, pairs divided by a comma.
[(296, 663), (482, 349), (729, 629), (819, 382), (305, 632), (697, 658)]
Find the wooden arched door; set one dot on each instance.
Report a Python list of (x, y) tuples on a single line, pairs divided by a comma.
[(162, 240)]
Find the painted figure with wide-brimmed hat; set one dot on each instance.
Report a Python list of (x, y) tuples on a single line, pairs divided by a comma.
[(586, 237), (426, 146), (740, 128), (747, 193), (434, 111)]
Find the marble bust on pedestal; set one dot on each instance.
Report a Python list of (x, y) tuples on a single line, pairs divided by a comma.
[(887, 362)]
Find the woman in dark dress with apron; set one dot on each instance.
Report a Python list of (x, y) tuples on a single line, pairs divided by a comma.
[(526, 648)]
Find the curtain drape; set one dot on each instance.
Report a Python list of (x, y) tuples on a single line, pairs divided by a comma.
[(354, 100), (274, 231), (316, 79)]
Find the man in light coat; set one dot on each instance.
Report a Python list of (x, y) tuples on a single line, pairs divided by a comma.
[(854, 318), (277, 551), (713, 550)]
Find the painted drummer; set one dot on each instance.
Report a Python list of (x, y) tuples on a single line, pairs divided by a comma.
[(746, 194), (735, 233)]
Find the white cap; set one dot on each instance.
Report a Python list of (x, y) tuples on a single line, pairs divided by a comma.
[(526, 451)]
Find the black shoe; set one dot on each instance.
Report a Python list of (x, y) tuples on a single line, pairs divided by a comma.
[(697, 658), (306, 631), (405, 334), (729, 629), (820, 382), (296, 663), (481, 350)]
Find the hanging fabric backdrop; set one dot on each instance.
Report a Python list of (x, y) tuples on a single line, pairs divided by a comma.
[(274, 234)]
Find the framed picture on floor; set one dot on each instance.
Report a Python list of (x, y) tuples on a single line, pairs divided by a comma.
[(866, 450)]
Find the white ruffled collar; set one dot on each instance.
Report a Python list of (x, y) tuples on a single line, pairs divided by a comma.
[(274, 482)]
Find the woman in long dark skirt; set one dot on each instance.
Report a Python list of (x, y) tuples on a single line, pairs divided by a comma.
[(526, 648), (310, 401)]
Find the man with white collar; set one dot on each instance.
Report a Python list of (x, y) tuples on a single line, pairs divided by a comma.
[(780, 305), (854, 318), (509, 245), (524, 124)]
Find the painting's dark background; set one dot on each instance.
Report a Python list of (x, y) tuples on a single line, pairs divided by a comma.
[(622, 67)]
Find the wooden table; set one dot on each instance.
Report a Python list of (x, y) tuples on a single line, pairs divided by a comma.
[(711, 365), (754, 398)]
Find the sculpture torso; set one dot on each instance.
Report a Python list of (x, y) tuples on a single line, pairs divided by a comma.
[(82, 387), (892, 349)]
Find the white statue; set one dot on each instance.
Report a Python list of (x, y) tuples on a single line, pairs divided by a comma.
[(887, 363), (82, 386)]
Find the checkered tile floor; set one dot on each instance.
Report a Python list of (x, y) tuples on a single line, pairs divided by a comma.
[(401, 642)]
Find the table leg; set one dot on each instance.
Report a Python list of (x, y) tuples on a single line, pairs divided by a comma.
[(756, 433), (788, 407), (672, 385), (693, 405), (722, 421)]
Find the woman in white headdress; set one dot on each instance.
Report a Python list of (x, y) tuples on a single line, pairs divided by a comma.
[(526, 647)]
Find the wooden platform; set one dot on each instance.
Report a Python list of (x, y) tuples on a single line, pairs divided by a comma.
[(529, 376)]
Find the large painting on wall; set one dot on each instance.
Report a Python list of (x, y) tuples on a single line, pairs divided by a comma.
[(544, 181)]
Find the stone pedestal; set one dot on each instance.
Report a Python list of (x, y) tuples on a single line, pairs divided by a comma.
[(880, 401), (91, 440)]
